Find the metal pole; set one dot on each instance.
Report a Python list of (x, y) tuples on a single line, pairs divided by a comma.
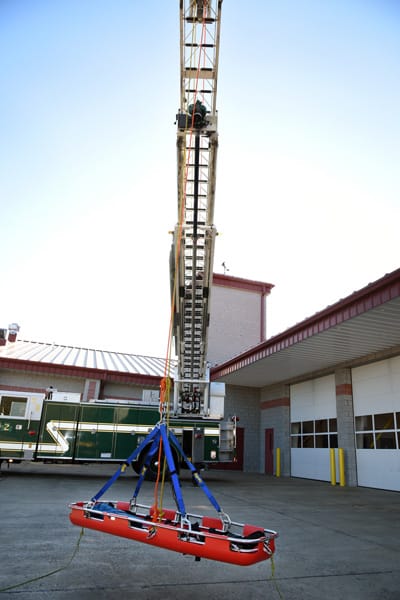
[(278, 462), (342, 477), (333, 466)]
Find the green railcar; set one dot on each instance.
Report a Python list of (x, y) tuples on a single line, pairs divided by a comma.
[(63, 429)]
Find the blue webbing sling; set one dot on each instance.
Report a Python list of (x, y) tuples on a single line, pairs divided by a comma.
[(153, 439)]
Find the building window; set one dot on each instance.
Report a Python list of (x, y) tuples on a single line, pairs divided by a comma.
[(321, 433), (385, 421), (295, 428), (364, 423), (385, 440), (11, 406), (295, 441), (321, 426), (365, 441), (321, 441), (308, 441), (308, 427), (378, 431)]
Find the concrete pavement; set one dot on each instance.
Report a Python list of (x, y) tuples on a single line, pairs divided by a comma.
[(336, 543)]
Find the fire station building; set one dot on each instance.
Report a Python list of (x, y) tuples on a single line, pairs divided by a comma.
[(331, 381)]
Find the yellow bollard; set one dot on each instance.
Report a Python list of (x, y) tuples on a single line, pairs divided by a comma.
[(333, 466), (342, 477), (278, 462)]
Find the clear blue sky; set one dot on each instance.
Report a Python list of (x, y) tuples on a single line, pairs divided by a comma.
[(308, 167)]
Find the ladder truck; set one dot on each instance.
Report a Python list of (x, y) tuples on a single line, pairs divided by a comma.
[(192, 250)]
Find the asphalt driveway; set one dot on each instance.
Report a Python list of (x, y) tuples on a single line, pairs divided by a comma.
[(336, 543)]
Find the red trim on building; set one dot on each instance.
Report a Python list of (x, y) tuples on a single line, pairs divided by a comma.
[(239, 283), (344, 389), (80, 372), (375, 294), (24, 389), (276, 403)]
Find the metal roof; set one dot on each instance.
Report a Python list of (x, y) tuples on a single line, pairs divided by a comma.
[(82, 358), (364, 325)]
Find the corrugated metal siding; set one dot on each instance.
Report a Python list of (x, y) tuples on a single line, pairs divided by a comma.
[(72, 356)]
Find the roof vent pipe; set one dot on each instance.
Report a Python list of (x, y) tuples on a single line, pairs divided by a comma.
[(12, 332)]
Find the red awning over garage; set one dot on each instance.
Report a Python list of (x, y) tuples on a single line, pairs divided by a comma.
[(365, 324)]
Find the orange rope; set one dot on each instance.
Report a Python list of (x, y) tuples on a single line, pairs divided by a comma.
[(165, 384)]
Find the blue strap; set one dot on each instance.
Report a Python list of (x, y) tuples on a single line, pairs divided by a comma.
[(146, 464), (172, 469), (195, 473), (149, 438), (153, 438)]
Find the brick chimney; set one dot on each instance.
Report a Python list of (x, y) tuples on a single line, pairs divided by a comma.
[(12, 332), (3, 335)]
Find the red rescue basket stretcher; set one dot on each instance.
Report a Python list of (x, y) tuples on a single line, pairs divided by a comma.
[(202, 537), (216, 538)]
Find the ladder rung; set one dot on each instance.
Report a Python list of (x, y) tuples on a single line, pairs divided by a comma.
[(195, 165), (201, 20), (194, 45), (201, 73), (193, 91)]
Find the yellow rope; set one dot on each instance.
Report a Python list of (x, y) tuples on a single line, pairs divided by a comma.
[(273, 578), (11, 587), (165, 387)]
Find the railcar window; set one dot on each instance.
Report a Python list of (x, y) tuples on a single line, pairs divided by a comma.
[(12, 406)]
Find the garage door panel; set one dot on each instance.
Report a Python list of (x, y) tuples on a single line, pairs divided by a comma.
[(312, 463), (313, 427), (379, 469), (376, 397)]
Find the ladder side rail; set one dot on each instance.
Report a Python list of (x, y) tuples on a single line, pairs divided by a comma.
[(197, 144)]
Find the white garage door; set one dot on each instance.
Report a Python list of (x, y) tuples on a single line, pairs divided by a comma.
[(376, 395), (313, 427)]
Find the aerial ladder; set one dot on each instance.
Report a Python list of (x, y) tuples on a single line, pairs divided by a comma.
[(194, 236), (216, 538)]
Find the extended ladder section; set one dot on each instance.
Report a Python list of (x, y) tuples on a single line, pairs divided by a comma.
[(194, 236)]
